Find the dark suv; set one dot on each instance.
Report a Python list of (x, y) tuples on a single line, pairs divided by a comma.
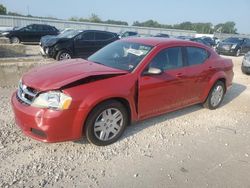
[(234, 46), (76, 43), (30, 33)]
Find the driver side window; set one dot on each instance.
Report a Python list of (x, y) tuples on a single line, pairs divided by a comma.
[(88, 36), (28, 28), (170, 58)]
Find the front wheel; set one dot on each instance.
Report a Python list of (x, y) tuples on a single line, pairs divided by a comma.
[(215, 96), (106, 123), (63, 55), (14, 40)]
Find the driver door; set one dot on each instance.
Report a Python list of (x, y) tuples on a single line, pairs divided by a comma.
[(166, 91)]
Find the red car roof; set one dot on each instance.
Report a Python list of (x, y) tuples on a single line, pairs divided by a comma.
[(154, 41)]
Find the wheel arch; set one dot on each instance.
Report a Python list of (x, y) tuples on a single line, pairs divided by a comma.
[(122, 100), (220, 76), (12, 36)]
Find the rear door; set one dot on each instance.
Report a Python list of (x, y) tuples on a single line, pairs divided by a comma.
[(34, 33), (84, 44), (199, 71), (167, 91)]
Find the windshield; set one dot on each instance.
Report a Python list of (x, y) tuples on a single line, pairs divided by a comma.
[(121, 55), (69, 34), (233, 40)]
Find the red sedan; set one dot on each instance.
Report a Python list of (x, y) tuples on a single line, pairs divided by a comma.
[(126, 81)]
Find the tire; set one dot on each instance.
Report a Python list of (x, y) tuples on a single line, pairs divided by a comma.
[(215, 96), (14, 40), (101, 128), (63, 55), (237, 53)]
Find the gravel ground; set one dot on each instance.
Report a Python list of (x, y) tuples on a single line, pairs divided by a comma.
[(193, 147)]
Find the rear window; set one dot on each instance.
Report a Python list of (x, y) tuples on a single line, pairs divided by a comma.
[(196, 55), (103, 36)]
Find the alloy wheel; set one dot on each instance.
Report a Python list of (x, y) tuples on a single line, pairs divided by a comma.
[(108, 124), (64, 56), (217, 95)]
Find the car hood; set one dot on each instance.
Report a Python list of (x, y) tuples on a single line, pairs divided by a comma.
[(47, 38), (50, 41), (58, 75)]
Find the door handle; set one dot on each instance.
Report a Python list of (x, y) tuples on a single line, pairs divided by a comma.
[(179, 75), (210, 68)]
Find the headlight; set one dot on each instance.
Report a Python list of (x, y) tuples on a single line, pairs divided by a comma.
[(234, 46), (47, 50), (5, 33), (52, 99)]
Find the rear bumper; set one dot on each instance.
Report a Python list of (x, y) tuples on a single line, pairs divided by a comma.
[(48, 125)]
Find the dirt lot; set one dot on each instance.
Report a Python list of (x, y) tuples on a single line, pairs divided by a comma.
[(193, 147)]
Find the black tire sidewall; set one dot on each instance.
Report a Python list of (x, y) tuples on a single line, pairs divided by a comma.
[(89, 125), (14, 37)]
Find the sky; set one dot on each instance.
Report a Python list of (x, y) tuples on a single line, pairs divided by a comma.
[(162, 11)]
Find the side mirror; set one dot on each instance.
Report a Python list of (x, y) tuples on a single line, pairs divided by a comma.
[(152, 71)]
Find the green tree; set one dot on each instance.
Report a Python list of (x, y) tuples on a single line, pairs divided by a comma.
[(148, 23), (228, 27), (95, 18), (116, 22), (3, 10)]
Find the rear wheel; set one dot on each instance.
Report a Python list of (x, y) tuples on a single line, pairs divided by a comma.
[(63, 55), (215, 96), (14, 40), (106, 123)]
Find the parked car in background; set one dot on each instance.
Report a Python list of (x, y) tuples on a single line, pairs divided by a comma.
[(184, 37), (209, 40), (76, 44), (216, 40), (200, 40), (48, 37), (30, 33), (128, 80), (234, 46), (128, 34), (162, 35), (245, 66)]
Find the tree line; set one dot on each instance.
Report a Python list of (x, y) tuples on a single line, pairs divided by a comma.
[(96, 19), (206, 28)]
